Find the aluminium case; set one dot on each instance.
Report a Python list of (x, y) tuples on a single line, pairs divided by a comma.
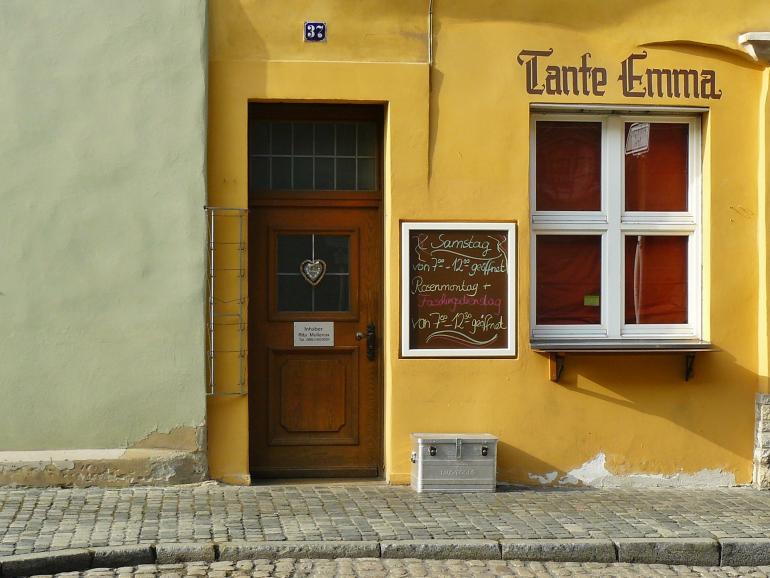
[(454, 462)]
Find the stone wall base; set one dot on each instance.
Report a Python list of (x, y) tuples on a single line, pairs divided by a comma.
[(762, 442), (181, 461)]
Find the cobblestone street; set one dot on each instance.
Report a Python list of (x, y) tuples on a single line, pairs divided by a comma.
[(372, 568), (37, 520)]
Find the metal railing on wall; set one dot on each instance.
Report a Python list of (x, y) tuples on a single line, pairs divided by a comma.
[(226, 339)]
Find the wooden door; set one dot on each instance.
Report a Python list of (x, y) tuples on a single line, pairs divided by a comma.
[(315, 237), (314, 408)]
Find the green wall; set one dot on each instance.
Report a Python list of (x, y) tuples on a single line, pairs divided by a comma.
[(102, 229)]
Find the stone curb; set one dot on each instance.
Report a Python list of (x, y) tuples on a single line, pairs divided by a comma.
[(235, 551), (745, 551), (45, 563), (441, 549), (689, 551), (564, 550)]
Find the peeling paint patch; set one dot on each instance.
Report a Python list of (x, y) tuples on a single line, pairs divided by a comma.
[(594, 473), (545, 479), (589, 473)]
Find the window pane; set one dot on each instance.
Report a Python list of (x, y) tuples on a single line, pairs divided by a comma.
[(656, 279), (303, 173), (303, 138), (324, 173), (259, 138), (367, 139), (333, 249), (346, 174), (656, 177), (569, 165), (366, 180), (346, 139), (568, 279), (259, 173), (324, 138), (331, 294), (281, 167), (281, 141), (292, 250), (294, 293)]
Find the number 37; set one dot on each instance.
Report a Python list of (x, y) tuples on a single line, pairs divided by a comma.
[(315, 31)]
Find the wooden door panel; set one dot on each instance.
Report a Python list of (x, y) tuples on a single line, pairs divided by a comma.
[(313, 397), (314, 411)]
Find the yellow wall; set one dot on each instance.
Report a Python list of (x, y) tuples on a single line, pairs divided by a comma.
[(457, 147)]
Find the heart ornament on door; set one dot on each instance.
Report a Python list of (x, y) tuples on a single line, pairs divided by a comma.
[(313, 271)]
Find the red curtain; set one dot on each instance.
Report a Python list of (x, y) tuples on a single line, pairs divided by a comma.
[(656, 279), (656, 179), (568, 166), (568, 279)]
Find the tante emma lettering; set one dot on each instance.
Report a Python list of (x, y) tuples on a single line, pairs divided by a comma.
[(637, 80)]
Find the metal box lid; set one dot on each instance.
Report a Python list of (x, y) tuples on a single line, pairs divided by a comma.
[(451, 438)]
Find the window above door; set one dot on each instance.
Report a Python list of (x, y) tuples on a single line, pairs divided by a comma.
[(302, 150), (616, 227)]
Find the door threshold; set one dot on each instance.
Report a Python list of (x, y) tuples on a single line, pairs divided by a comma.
[(317, 481)]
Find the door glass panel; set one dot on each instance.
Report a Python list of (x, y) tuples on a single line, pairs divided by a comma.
[(333, 249), (294, 294), (313, 272), (292, 250), (332, 294)]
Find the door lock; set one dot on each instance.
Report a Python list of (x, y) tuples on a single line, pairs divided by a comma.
[(371, 341)]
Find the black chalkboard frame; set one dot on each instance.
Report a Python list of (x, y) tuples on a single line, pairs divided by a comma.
[(510, 350)]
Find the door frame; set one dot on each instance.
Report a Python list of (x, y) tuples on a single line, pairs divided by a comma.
[(261, 200)]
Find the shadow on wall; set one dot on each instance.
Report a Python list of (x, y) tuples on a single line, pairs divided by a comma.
[(716, 404)]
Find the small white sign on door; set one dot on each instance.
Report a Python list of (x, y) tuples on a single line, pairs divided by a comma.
[(313, 333)]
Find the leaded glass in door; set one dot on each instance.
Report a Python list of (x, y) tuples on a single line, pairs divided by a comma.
[(313, 272)]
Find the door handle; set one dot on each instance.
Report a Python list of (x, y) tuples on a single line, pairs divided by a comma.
[(371, 341)]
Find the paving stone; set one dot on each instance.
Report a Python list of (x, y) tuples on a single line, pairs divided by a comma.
[(40, 520)]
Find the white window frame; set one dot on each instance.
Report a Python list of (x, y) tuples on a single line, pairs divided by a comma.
[(612, 223)]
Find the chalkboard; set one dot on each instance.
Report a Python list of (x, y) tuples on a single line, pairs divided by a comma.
[(458, 289)]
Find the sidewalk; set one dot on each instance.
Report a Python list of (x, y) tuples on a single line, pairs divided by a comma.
[(212, 521)]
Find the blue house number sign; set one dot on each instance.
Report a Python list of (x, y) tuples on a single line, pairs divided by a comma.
[(315, 31)]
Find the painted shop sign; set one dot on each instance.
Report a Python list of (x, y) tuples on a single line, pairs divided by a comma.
[(638, 80), (458, 289)]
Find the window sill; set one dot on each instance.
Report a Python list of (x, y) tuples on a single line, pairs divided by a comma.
[(558, 349)]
